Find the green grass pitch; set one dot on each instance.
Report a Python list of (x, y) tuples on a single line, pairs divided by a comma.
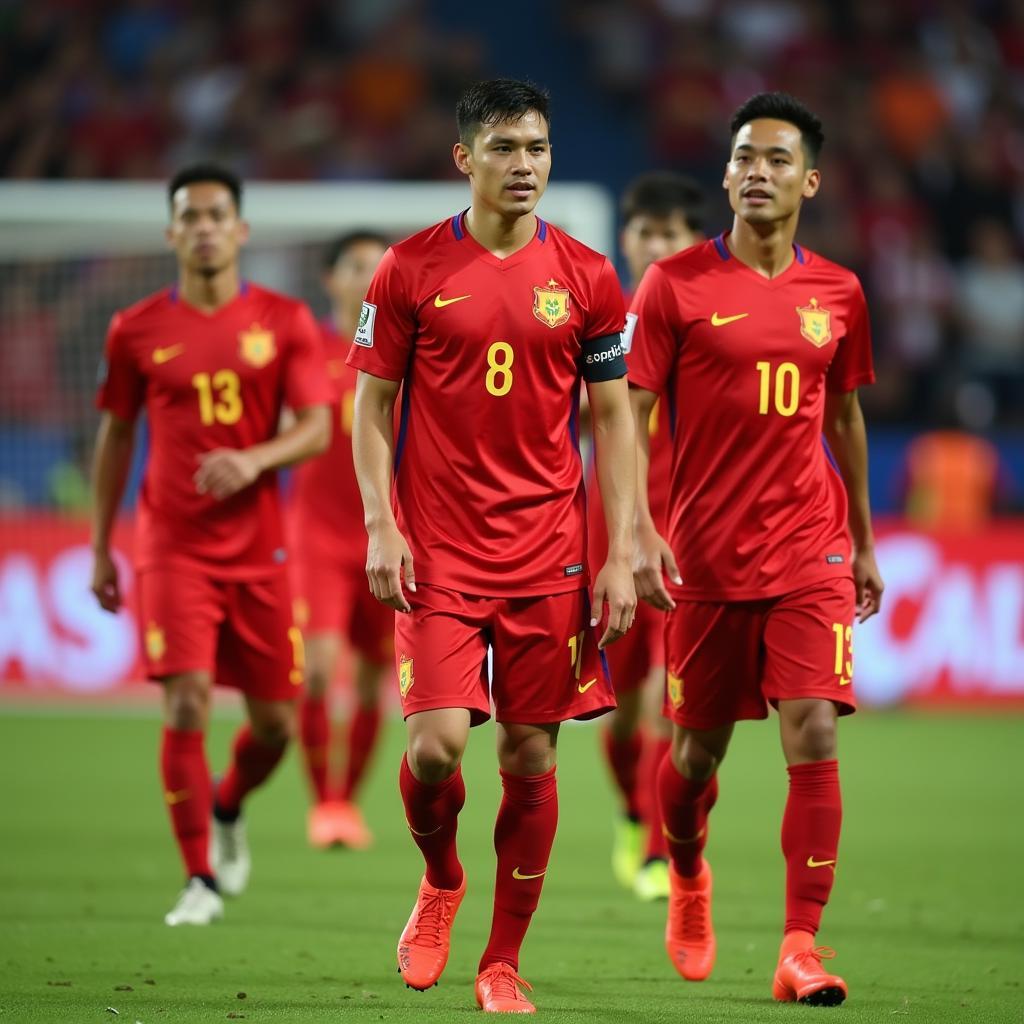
[(927, 914)]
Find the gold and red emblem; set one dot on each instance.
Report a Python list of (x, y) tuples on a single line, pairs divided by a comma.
[(405, 676), (551, 303), (256, 346), (675, 690), (815, 323), (156, 643)]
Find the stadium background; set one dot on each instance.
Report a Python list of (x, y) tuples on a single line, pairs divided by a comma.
[(923, 197), (923, 104)]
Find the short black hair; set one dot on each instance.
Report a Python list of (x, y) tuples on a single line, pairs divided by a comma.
[(195, 173), (780, 106), (341, 245), (662, 194), (500, 99)]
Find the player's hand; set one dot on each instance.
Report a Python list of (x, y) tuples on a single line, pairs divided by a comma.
[(868, 581), (387, 556), (652, 555), (614, 587), (104, 582), (223, 472)]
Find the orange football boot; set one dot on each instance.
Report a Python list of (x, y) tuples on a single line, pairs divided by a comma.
[(423, 946), (320, 825), (800, 978), (349, 827), (497, 990), (689, 935)]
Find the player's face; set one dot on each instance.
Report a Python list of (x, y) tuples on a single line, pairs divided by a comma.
[(767, 176), (508, 164), (647, 238), (206, 231), (348, 280)]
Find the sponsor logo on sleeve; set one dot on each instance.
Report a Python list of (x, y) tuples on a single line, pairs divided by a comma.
[(626, 338), (606, 355), (364, 332)]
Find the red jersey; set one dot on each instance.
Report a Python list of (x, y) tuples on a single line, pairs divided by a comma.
[(210, 381), (756, 508), (488, 481), (326, 511)]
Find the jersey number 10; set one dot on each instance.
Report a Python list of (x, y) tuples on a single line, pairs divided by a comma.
[(786, 389)]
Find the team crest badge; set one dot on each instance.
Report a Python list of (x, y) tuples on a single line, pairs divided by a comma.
[(256, 346), (815, 323), (156, 643), (675, 690), (405, 676), (551, 303)]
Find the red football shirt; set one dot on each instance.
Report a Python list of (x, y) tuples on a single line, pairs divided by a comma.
[(325, 510), (488, 481), (210, 381), (755, 507)]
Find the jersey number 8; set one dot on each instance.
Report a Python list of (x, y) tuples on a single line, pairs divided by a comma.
[(499, 376)]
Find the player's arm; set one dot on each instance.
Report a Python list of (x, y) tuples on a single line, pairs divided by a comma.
[(652, 552), (223, 472), (373, 452), (111, 462), (847, 438), (615, 456)]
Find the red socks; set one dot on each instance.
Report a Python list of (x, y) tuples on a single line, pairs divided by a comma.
[(315, 734), (656, 752), (523, 835), (685, 805), (251, 762), (810, 841), (624, 760), (186, 779), (432, 814), (362, 737)]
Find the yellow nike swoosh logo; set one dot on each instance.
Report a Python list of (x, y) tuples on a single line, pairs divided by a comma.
[(812, 863), (415, 833), (721, 321), (845, 682), (176, 796), (681, 842), (441, 303), (583, 687), (165, 355), (523, 878)]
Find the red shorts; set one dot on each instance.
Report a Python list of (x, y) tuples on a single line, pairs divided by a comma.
[(631, 658), (728, 661), (240, 631), (332, 597), (545, 663)]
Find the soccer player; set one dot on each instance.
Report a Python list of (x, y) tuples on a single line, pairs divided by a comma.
[(662, 214), (761, 345), (489, 320), (211, 360), (328, 563)]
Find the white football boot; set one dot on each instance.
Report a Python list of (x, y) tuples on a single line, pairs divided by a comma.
[(229, 856), (197, 904)]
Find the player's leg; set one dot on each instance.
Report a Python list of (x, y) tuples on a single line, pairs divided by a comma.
[(547, 669), (371, 633), (322, 650), (442, 652), (652, 882), (187, 790), (180, 613), (623, 743), (260, 653), (714, 672), (809, 676)]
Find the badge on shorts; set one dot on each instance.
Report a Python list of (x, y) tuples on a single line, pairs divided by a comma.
[(675, 690), (256, 346), (405, 676), (156, 643)]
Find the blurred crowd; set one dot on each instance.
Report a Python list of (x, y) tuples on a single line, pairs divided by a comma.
[(923, 168)]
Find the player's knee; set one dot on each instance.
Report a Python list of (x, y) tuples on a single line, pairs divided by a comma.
[(317, 681), (816, 740), (433, 757), (187, 702), (697, 759), (275, 728)]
